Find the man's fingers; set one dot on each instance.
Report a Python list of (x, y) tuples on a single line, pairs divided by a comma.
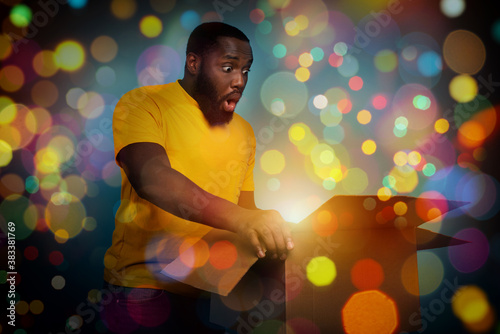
[(287, 234), (254, 241), (267, 237), (279, 241)]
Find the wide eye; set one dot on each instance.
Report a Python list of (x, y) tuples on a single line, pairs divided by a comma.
[(245, 71), (227, 69)]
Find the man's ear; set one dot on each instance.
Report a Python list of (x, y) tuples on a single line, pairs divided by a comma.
[(193, 62)]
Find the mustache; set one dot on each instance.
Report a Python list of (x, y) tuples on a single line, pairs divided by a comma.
[(237, 93)]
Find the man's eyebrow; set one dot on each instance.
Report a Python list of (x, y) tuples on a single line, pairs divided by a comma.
[(231, 57)]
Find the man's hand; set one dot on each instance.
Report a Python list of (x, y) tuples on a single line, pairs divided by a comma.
[(267, 231)]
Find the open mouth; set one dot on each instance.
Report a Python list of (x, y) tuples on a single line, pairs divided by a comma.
[(230, 102)]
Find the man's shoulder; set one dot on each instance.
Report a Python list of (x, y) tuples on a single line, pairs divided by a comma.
[(240, 122), (152, 92)]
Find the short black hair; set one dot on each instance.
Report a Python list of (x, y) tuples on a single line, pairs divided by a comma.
[(205, 36)]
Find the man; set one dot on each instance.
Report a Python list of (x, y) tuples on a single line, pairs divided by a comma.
[(187, 166)]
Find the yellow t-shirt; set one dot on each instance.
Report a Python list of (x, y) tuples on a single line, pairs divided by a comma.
[(218, 159)]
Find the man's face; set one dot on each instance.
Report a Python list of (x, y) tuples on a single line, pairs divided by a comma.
[(222, 78)]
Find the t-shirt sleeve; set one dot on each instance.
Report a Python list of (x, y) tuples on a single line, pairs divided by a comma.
[(248, 183), (137, 119)]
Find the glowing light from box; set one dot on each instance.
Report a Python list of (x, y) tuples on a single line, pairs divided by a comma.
[(284, 85), (5, 46), (340, 49), (272, 162), (302, 20), (384, 194), (471, 134), (44, 63), (335, 60), (364, 117), (223, 254), (30, 253), (369, 147), (278, 107), (369, 311), (265, 27), (429, 169), (302, 74), (379, 102), (495, 31), (441, 125), (20, 15), (317, 53), (386, 60), (344, 105), (334, 134), (77, 4), (56, 258), (406, 178), (469, 257), (452, 8), (356, 83), (279, 51), (151, 26), (11, 78), (69, 55), (349, 66), (322, 155), (104, 48), (305, 59), (421, 102), (367, 274), (429, 64), (329, 183), (414, 158), (292, 28), (105, 76), (401, 123), (471, 305), (369, 203), (431, 272), (279, 4), (89, 224), (299, 326), (330, 116), (325, 223), (44, 93), (273, 184), (5, 153), (320, 101), (463, 88), (189, 20), (194, 252), (257, 15), (400, 158), (356, 181), (321, 271), (22, 307), (123, 9), (36, 306), (469, 62), (65, 212)]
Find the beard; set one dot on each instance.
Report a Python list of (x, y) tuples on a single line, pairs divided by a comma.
[(209, 101)]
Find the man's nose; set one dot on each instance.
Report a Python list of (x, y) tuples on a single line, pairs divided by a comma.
[(238, 81)]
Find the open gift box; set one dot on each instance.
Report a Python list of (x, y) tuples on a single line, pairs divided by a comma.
[(353, 269)]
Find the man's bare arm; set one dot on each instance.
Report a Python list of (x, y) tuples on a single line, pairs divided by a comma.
[(149, 171)]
